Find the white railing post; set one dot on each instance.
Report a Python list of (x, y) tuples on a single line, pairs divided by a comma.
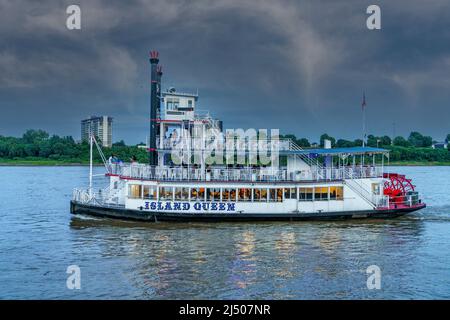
[(90, 164)]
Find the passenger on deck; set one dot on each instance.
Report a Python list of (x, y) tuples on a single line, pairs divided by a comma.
[(112, 160)]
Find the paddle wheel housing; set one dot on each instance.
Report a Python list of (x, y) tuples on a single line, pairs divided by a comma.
[(396, 186)]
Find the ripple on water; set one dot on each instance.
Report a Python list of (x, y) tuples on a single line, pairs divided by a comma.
[(132, 260)]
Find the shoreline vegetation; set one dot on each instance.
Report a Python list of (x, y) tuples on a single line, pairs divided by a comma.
[(38, 148)]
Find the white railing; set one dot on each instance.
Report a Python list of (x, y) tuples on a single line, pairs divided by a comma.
[(143, 171), (103, 197), (81, 195)]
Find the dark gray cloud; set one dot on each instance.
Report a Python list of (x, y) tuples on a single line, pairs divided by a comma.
[(300, 66)]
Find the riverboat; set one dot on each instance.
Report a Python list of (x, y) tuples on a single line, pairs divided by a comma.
[(181, 183)]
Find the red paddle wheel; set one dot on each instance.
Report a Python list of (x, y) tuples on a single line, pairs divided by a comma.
[(396, 186)]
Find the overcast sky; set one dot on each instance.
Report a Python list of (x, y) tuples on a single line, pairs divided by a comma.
[(299, 66)]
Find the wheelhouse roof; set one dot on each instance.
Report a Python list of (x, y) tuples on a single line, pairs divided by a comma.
[(337, 151)]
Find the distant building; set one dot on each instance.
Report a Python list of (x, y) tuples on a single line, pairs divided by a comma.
[(440, 145), (101, 127)]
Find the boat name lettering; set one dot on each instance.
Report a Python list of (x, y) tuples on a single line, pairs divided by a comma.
[(184, 206)]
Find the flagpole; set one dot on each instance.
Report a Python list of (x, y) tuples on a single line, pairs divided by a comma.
[(364, 127), (364, 120)]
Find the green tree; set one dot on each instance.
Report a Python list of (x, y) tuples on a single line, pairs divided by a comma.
[(324, 137), (120, 143), (401, 142), (342, 143), (416, 139), (386, 141), (304, 143), (34, 136)]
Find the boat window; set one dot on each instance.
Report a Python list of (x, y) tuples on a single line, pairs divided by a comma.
[(134, 191), (279, 195), (201, 194), (198, 194), (185, 193), (376, 188), (305, 194), (149, 192), (165, 193), (293, 193), (336, 193), (213, 194), (225, 194), (276, 195), (259, 195), (228, 194), (181, 194), (290, 193), (320, 193), (194, 194), (245, 194), (264, 195)]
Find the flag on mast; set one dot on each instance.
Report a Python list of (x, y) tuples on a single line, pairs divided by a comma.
[(364, 101)]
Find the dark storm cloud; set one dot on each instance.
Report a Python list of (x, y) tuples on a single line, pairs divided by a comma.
[(300, 66)]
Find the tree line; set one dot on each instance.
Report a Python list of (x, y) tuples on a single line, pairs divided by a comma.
[(40, 145), (415, 139), (416, 147)]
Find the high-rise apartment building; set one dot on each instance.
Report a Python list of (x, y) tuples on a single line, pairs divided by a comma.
[(101, 127)]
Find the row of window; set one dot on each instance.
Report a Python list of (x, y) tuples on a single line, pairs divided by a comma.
[(174, 103), (138, 191)]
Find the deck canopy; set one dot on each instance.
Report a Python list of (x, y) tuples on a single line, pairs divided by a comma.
[(336, 151)]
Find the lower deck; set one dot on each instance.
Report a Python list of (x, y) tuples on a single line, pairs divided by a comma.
[(152, 216), (356, 195)]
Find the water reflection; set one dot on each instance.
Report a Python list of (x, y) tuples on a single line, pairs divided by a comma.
[(39, 239), (243, 267), (237, 260)]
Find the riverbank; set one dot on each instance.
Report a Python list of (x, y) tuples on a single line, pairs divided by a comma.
[(419, 163), (59, 163), (44, 163)]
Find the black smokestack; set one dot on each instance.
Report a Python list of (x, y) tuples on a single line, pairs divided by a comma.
[(154, 106), (159, 73)]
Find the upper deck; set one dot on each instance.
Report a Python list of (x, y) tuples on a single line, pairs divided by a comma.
[(244, 174), (302, 165)]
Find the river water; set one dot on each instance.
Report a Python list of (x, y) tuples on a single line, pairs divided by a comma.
[(39, 239)]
